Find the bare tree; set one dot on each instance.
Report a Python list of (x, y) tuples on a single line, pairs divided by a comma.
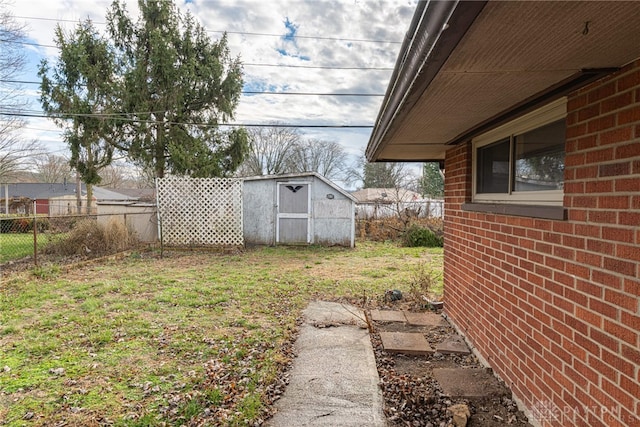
[(12, 60), (143, 177), (327, 158), (14, 151), (51, 168), (381, 175), (116, 175), (15, 155), (271, 150)]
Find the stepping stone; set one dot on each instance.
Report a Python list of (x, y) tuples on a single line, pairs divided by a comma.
[(325, 314), (453, 345), (465, 382), (411, 343), (387, 316), (423, 319)]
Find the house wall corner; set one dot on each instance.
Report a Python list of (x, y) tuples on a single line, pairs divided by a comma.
[(553, 306)]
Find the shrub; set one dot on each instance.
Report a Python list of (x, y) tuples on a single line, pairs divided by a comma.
[(425, 282), (89, 238), (416, 235), (392, 228), (22, 225), (16, 225), (43, 224)]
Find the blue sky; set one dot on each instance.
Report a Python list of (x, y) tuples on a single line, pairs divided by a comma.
[(296, 33)]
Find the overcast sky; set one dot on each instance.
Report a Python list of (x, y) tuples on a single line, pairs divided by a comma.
[(356, 34)]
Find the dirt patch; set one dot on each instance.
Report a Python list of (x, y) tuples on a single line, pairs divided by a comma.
[(414, 397)]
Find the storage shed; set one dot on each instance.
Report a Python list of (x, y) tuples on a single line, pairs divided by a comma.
[(297, 209)]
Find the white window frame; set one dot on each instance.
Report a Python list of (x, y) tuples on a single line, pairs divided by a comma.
[(551, 112)]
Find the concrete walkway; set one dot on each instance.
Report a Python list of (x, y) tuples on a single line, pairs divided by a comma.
[(334, 380)]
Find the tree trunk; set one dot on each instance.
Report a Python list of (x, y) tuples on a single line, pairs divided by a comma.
[(89, 197), (78, 193)]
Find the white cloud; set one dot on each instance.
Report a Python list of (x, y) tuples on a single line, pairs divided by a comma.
[(383, 20)]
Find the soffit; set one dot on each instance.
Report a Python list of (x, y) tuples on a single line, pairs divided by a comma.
[(513, 51)]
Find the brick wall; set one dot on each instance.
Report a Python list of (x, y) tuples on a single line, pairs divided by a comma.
[(553, 306)]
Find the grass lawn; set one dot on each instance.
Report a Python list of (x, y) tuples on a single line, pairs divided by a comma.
[(190, 339), (19, 245), (15, 246)]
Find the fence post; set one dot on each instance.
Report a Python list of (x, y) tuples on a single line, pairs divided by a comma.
[(35, 233), (159, 219)]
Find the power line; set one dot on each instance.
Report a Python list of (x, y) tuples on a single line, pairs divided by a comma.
[(247, 64), (307, 37), (28, 43), (282, 125), (40, 129), (320, 67), (243, 33), (244, 92), (247, 92)]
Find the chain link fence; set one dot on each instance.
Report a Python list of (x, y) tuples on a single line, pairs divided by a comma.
[(36, 238)]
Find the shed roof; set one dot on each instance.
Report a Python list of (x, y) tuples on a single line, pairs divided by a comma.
[(105, 194), (466, 67), (141, 194), (302, 175)]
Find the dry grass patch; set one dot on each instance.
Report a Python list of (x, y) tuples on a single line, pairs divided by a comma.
[(89, 237)]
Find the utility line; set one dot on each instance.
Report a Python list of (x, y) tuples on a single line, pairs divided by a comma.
[(247, 64), (248, 92), (320, 67), (245, 92), (243, 33), (282, 125)]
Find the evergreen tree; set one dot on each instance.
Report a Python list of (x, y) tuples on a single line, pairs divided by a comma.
[(77, 95), (383, 175), (177, 85), (432, 181)]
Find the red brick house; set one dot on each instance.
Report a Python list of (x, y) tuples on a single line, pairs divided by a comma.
[(535, 109)]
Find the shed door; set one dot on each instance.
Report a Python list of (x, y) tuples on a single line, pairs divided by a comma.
[(294, 215)]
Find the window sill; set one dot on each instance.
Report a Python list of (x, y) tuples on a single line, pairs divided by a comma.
[(533, 211)]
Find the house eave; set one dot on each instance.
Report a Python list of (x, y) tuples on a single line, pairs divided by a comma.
[(492, 62), (435, 30)]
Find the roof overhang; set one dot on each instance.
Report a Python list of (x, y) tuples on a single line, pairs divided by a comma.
[(468, 66)]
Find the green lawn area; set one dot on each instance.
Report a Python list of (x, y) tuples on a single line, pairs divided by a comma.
[(15, 246), (190, 338)]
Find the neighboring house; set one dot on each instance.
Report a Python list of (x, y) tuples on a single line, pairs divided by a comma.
[(297, 209), (146, 195), (535, 108), (19, 198), (385, 195), (389, 202), (50, 198)]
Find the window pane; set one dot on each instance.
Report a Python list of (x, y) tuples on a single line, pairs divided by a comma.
[(493, 168), (539, 158)]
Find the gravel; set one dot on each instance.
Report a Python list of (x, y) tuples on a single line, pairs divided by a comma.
[(414, 398)]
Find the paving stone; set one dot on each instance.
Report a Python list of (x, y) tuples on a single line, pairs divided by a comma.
[(412, 343), (467, 382), (423, 319), (453, 345), (325, 314), (387, 316)]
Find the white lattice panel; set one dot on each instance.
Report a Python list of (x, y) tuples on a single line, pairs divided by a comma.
[(200, 211)]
